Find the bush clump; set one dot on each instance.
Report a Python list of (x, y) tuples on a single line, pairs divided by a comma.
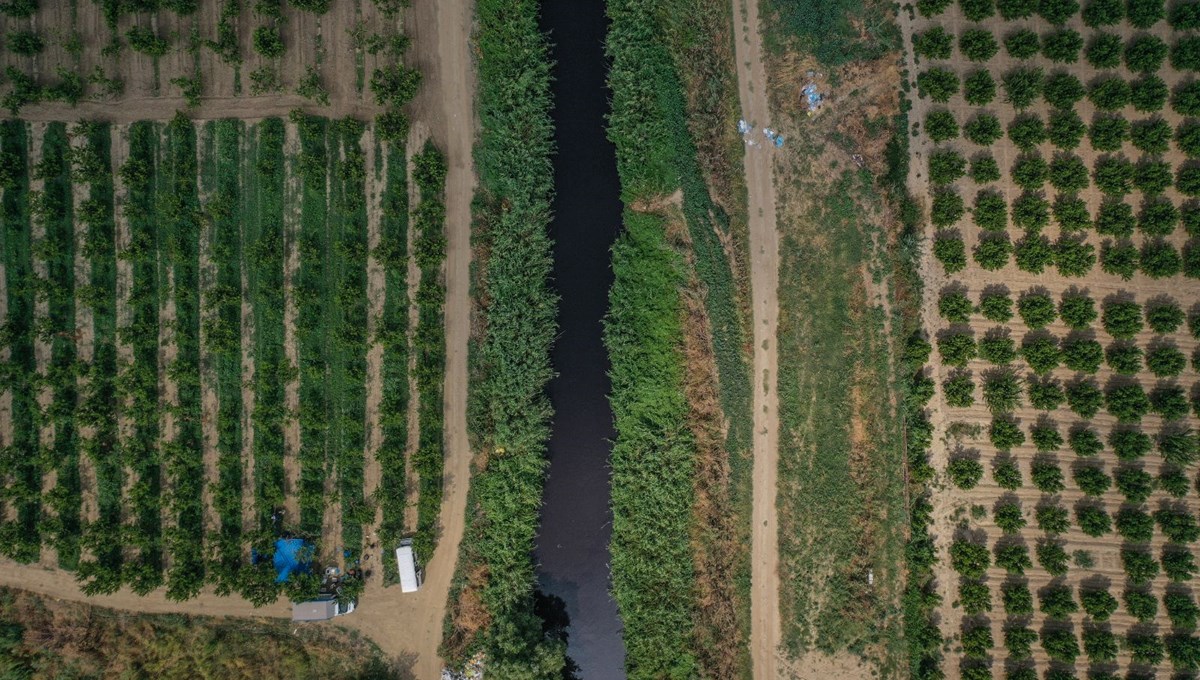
[(1145, 53), (1099, 13), (1109, 93), (979, 88), (978, 44), (1065, 129), (949, 249), (1062, 46), (938, 84), (934, 43), (1108, 133), (941, 126), (1071, 213), (1077, 310), (1022, 86), (1151, 136), (1104, 50)]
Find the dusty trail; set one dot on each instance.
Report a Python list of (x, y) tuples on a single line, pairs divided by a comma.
[(764, 283)]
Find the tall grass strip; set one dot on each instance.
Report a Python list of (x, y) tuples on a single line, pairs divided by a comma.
[(508, 409), (653, 456)]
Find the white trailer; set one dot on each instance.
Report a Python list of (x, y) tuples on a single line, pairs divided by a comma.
[(406, 564)]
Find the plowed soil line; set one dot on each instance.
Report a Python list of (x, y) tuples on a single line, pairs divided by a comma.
[(764, 283)]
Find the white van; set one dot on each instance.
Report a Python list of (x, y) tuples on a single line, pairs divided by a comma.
[(406, 563), (323, 608)]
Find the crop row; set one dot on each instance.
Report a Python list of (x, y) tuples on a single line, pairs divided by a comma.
[(1142, 14), (53, 208), (139, 376), (222, 335), (429, 340), (391, 331), (22, 498), (348, 222), (92, 163)]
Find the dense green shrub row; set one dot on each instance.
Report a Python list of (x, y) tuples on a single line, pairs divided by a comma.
[(54, 209), (20, 538), (222, 336), (391, 331), (264, 253), (137, 385), (313, 289), (920, 598), (429, 341), (179, 242), (92, 164), (346, 328), (509, 408)]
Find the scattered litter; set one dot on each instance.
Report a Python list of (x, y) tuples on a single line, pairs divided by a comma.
[(472, 670), (744, 127), (813, 97), (858, 160)]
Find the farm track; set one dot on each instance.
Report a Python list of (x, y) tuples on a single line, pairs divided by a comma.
[(765, 628)]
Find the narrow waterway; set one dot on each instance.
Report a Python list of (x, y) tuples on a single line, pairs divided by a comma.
[(576, 522)]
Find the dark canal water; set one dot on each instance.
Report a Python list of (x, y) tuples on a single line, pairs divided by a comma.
[(576, 522)]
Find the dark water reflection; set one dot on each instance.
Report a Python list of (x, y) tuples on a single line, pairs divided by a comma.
[(576, 522)]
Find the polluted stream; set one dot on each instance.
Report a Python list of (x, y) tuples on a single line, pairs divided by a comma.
[(576, 525)]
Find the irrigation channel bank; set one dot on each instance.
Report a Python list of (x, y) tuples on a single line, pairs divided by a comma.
[(576, 520)]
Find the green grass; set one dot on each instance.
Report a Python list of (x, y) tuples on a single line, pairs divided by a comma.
[(20, 538), (57, 250), (841, 493), (835, 31)]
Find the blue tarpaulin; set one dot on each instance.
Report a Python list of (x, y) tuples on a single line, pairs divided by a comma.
[(292, 555)]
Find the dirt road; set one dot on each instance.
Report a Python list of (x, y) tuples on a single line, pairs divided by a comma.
[(764, 282)]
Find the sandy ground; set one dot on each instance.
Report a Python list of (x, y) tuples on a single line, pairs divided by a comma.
[(417, 136), (209, 401), (291, 225), (85, 345), (764, 282), (375, 292)]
